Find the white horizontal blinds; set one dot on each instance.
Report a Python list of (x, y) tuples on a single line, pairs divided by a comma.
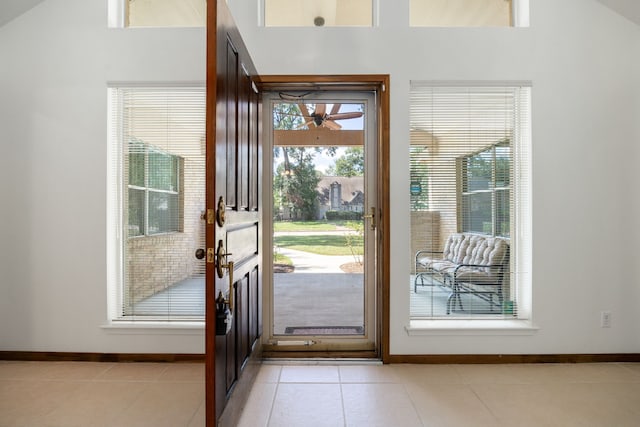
[(521, 229), (463, 164), (161, 141)]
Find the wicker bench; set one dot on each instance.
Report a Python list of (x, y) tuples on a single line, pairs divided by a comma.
[(469, 264)]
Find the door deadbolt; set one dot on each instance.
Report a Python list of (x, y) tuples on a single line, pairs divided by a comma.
[(221, 212)]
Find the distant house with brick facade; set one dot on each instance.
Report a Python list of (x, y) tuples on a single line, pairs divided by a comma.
[(340, 193)]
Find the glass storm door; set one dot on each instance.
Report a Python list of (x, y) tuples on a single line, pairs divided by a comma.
[(322, 230)]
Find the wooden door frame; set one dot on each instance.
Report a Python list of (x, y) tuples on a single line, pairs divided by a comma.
[(378, 83)]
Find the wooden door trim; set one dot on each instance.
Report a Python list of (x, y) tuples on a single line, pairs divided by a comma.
[(378, 83)]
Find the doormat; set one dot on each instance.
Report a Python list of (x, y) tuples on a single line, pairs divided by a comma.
[(324, 330)]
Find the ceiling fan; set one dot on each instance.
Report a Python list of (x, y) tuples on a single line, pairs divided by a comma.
[(320, 118)]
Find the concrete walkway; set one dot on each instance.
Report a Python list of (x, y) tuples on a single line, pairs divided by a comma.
[(306, 262)]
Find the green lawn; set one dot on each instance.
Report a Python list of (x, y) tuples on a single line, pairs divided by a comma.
[(281, 259), (321, 245), (308, 225)]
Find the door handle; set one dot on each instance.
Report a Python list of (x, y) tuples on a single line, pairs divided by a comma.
[(372, 217), (224, 264), (221, 255)]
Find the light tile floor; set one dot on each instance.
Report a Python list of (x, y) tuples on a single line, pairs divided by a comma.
[(83, 394), (563, 395), (68, 394)]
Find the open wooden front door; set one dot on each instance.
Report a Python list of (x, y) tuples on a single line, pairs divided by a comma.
[(234, 268)]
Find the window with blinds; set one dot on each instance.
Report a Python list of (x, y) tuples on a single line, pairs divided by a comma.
[(470, 201), (157, 197)]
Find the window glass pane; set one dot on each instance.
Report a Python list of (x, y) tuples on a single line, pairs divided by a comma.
[(503, 212), (503, 166), (163, 171), (163, 212), (136, 164), (319, 13), (479, 170), (167, 13), (136, 212), (476, 215), (461, 13)]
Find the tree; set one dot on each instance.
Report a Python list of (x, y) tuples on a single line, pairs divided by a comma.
[(296, 178), (351, 163)]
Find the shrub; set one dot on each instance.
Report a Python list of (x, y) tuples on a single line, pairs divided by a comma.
[(343, 215)]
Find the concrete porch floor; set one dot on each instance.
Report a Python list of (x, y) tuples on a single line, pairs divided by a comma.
[(317, 293)]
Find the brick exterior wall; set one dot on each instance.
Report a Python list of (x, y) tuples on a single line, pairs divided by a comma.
[(154, 263)]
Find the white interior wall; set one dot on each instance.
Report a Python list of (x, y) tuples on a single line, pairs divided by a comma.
[(56, 62), (581, 57), (632, 179)]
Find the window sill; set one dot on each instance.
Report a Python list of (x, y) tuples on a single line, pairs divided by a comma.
[(154, 328), (470, 327)]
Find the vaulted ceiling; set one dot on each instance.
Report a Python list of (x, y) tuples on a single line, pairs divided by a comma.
[(628, 8), (10, 9)]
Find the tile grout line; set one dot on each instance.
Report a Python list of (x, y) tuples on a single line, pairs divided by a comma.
[(195, 412), (413, 403), (475, 393), (344, 412), (273, 399)]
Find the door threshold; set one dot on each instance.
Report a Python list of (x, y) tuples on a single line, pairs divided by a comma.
[(311, 361), (320, 355)]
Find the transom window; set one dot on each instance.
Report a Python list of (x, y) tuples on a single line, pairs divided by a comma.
[(318, 13), (469, 13), (157, 13)]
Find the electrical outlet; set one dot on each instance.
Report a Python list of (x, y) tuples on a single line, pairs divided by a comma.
[(605, 319)]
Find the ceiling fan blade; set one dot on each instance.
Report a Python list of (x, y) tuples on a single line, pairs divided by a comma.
[(332, 125), (304, 124), (335, 109), (320, 109), (343, 116), (304, 110)]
